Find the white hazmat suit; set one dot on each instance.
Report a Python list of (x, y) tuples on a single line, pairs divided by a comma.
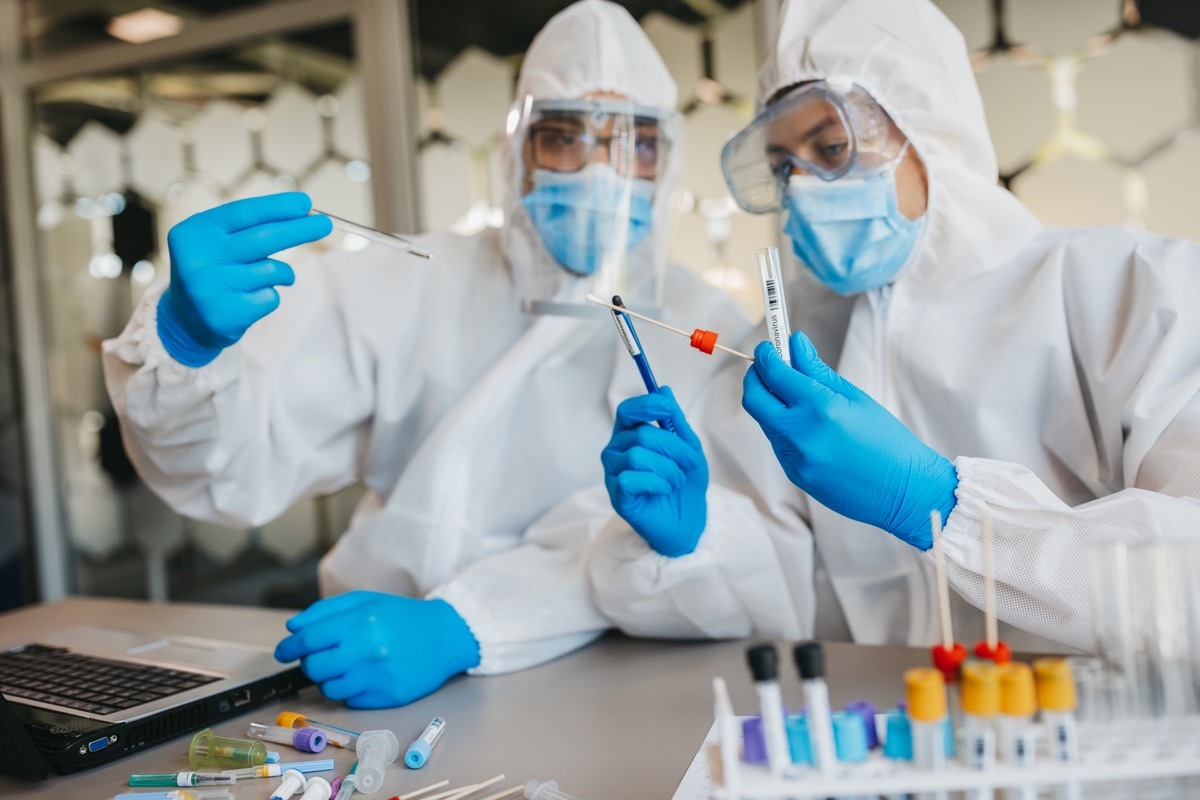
[(466, 419), (1057, 368)]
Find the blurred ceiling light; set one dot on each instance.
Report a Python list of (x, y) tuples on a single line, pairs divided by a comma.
[(144, 25), (358, 171), (143, 272)]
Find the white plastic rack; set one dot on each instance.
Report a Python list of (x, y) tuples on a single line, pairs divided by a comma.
[(1119, 752)]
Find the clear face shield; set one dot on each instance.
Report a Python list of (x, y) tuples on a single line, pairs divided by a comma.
[(829, 132), (595, 187)]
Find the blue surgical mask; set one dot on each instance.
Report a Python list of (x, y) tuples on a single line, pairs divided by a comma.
[(577, 213), (850, 232)]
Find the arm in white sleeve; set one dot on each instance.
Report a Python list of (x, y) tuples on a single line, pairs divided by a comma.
[(531, 604), (272, 418), (1041, 544), (752, 570), (1133, 333), (734, 584)]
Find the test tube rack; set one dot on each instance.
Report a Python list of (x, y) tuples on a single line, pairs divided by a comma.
[(1110, 752)]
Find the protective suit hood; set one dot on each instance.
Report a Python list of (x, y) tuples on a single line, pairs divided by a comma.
[(591, 47), (914, 62), (595, 46)]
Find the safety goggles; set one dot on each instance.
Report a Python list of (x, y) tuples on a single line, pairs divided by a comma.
[(569, 135), (817, 129)]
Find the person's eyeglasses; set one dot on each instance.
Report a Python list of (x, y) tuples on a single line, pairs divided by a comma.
[(564, 146)]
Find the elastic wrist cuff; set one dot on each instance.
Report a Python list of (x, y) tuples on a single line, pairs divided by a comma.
[(944, 501), (178, 344)]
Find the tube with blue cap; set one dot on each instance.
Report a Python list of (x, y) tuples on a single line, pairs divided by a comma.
[(418, 752), (179, 794), (634, 346)]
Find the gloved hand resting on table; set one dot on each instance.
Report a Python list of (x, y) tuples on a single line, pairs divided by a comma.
[(222, 277), (376, 650), (842, 448), (656, 479)]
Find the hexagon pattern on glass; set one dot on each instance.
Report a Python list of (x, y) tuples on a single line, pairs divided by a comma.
[(1139, 93), (1074, 192), (1060, 27), (292, 135), (475, 91), (1019, 108), (680, 48), (156, 157)]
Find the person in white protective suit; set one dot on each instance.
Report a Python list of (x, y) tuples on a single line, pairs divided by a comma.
[(982, 359), (470, 393)]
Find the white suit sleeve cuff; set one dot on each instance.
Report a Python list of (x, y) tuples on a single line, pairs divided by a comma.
[(729, 587), (1041, 544), (139, 344), (531, 604), (501, 648)]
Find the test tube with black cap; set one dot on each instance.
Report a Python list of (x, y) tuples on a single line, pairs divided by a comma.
[(764, 666), (810, 661)]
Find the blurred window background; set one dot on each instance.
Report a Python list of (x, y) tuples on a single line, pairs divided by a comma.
[(122, 118)]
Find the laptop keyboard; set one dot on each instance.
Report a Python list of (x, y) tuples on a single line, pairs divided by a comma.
[(85, 683)]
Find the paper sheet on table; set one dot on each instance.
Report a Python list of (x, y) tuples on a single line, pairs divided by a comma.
[(697, 781)]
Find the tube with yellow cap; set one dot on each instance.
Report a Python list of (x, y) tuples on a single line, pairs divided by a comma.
[(1056, 697), (1017, 743), (925, 694), (338, 737), (980, 704)]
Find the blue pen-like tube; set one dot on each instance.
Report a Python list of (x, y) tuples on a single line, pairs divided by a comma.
[(634, 346)]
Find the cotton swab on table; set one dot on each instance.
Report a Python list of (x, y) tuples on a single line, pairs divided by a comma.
[(506, 793), (480, 786), (419, 792), (465, 791), (445, 794)]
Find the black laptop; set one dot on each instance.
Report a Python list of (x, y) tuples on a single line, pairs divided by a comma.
[(85, 696)]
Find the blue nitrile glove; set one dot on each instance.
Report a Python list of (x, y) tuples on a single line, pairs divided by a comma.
[(376, 650), (842, 448), (657, 479), (222, 277)]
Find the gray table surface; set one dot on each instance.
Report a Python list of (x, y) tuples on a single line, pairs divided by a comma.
[(622, 718)]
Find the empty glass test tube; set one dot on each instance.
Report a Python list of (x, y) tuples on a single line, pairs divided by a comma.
[(1117, 637), (379, 237), (1161, 617)]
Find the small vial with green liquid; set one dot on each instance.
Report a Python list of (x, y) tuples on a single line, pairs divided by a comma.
[(209, 751)]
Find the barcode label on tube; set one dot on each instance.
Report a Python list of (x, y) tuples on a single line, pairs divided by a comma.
[(772, 296), (627, 335)]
